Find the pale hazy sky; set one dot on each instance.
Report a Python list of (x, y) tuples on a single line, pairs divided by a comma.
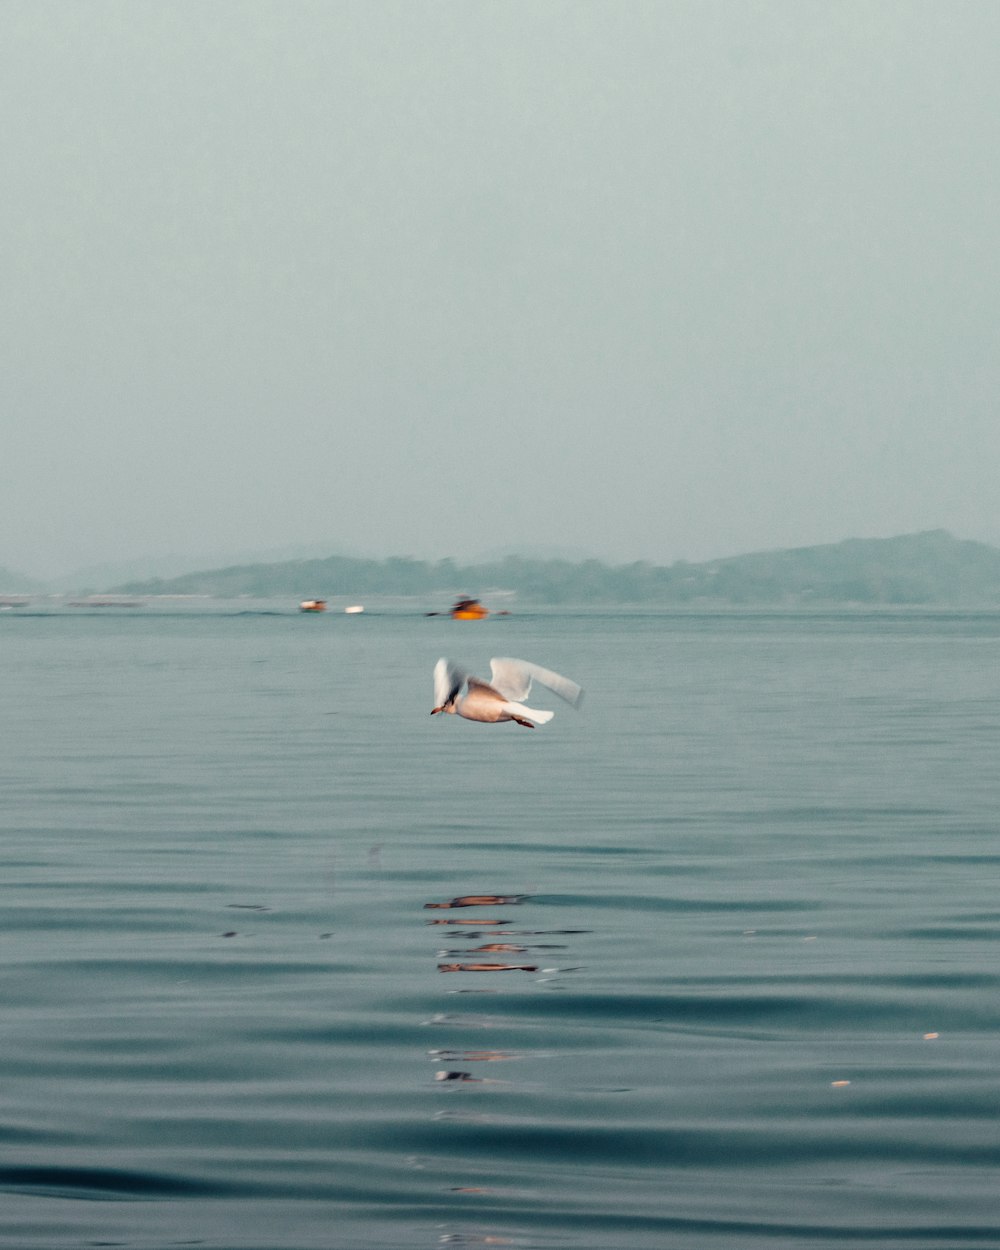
[(645, 279)]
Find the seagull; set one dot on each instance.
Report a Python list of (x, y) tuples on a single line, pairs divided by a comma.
[(501, 697)]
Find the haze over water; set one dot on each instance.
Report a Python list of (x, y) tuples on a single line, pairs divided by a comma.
[(654, 280), (730, 982)]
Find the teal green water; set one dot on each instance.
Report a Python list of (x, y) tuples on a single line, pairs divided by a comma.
[(737, 986)]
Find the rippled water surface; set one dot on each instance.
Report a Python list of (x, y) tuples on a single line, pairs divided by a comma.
[(288, 964)]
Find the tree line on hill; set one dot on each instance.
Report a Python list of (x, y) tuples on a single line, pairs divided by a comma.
[(927, 568)]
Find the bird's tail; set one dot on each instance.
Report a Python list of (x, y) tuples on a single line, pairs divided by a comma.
[(528, 713)]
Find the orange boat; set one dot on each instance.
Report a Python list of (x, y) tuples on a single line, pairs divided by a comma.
[(312, 605), (468, 610)]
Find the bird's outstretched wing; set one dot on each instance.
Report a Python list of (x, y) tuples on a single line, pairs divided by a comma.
[(448, 682), (513, 679)]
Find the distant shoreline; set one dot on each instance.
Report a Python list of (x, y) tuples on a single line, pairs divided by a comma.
[(915, 570), (932, 569)]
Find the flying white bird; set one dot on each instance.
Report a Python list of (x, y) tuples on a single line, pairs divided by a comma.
[(501, 697)]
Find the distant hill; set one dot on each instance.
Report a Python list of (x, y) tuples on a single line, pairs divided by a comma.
[(931, 568)]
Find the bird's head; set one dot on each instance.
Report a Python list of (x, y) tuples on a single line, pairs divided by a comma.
[(448, 682)]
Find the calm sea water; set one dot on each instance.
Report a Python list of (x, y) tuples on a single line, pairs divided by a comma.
[(733, 982)]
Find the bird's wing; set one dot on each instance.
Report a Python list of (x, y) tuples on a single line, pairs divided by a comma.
[(513, 679), (448, 682)]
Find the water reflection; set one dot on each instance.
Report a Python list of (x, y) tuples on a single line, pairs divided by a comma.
[(473, 1056), (451, 1074), (473, 1239), (480, 900), (487, 967), (463, 919), (469, 939)]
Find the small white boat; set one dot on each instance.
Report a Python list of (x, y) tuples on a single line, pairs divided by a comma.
[(354, 609)]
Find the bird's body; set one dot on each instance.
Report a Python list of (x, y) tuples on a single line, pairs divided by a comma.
[(500, 698)]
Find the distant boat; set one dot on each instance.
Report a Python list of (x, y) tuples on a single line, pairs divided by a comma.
[(354, 609), (312, 605), (468, 610)]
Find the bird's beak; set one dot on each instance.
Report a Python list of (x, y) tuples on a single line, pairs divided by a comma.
[(436, 709)]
